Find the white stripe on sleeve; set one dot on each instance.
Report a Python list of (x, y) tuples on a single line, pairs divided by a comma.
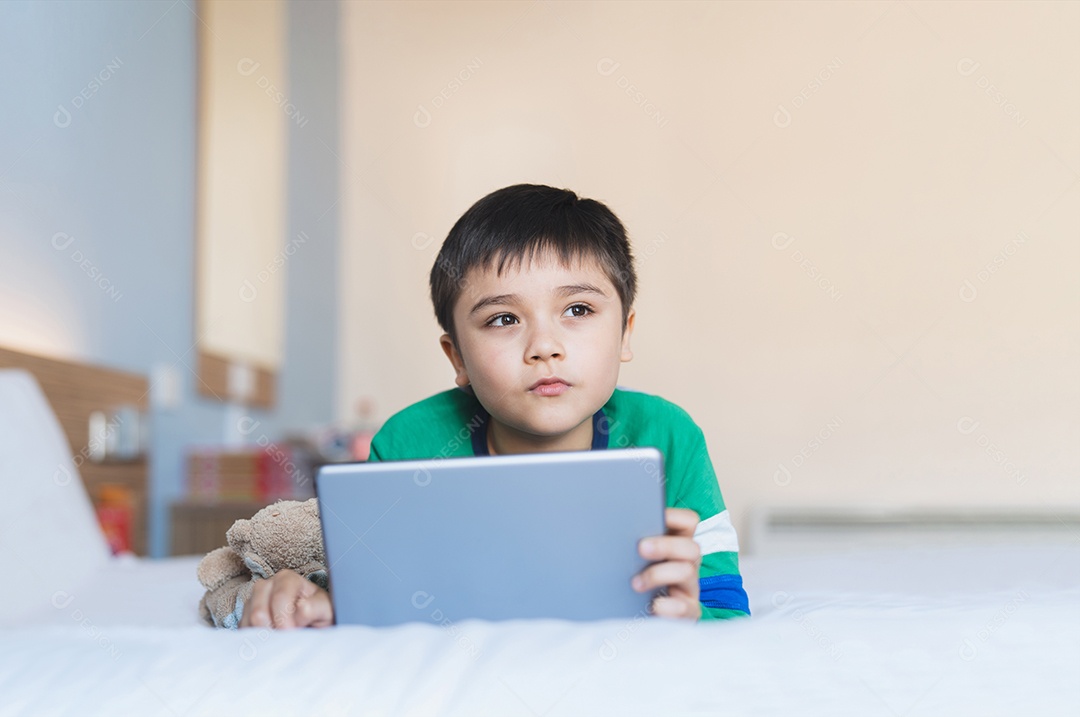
[(717, 534)]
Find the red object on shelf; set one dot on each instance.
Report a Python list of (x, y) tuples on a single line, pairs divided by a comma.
[(265, 472), (114, 513)]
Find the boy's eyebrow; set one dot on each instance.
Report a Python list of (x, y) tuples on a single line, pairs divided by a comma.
[(489, 300), (579, 289), (563, 291)]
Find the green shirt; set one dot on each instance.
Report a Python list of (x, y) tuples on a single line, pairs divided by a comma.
[(447, 424)]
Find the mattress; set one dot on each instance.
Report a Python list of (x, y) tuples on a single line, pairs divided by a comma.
[(975, 630)]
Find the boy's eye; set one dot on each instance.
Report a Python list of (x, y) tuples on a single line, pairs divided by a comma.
[(502, 320), (578, 310)]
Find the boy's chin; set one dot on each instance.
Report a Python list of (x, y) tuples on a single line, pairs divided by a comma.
[(550, 432)]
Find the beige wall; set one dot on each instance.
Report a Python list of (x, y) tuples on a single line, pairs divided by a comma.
[(850, 245), (241, 239)]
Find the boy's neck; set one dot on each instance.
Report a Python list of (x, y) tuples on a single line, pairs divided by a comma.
[(503, 440)]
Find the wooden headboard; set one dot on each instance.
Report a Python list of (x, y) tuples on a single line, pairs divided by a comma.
[(75, 390)]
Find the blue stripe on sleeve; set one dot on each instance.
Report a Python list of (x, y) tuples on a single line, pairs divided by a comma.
[(724, 592)]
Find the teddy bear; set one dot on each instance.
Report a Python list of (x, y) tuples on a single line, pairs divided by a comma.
[(283, 535)]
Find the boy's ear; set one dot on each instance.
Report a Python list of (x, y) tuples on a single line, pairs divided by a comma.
[(627, 354), (461, 377)]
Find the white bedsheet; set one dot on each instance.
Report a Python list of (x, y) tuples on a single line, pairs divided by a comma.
[(965, 631)]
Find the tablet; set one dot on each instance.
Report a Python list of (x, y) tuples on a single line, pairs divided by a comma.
[(548, 535)]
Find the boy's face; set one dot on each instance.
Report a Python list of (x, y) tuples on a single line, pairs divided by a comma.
[(538, 321)]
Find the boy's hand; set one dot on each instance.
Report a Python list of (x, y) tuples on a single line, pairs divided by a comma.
[(286, 599), (677, 560)]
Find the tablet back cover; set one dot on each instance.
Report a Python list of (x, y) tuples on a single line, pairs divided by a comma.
[(550, 535)]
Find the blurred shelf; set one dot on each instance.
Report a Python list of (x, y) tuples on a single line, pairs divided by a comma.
[(199, 525)]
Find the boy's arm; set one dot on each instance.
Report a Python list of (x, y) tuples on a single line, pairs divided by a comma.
[(692, 484), (722, 593), (712, 613)]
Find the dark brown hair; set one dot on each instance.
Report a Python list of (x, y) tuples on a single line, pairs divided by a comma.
[(521, 221)]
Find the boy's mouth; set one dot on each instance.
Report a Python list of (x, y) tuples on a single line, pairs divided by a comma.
[(552, 386)]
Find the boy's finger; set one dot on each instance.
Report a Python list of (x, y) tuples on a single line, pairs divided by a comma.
[(283, 605), (670, 547), (256, 612), (675, 607), (306, 612), (680, 521), (663, 574), (314, 611)]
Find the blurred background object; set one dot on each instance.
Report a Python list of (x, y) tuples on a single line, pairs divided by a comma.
[(855, 223)]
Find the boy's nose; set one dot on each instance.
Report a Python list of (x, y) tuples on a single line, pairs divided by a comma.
[(543, 344)]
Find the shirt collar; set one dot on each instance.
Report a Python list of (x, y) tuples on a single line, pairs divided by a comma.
[(601, 428)]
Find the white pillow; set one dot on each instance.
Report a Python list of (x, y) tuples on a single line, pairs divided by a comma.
[(50, 540)]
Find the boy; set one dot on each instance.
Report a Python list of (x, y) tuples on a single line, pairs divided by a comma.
[(534, 288)]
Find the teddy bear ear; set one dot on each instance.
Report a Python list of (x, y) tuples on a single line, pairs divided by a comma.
[(240, 532)]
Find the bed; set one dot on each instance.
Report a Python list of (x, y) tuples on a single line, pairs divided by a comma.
[(847, 620)]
